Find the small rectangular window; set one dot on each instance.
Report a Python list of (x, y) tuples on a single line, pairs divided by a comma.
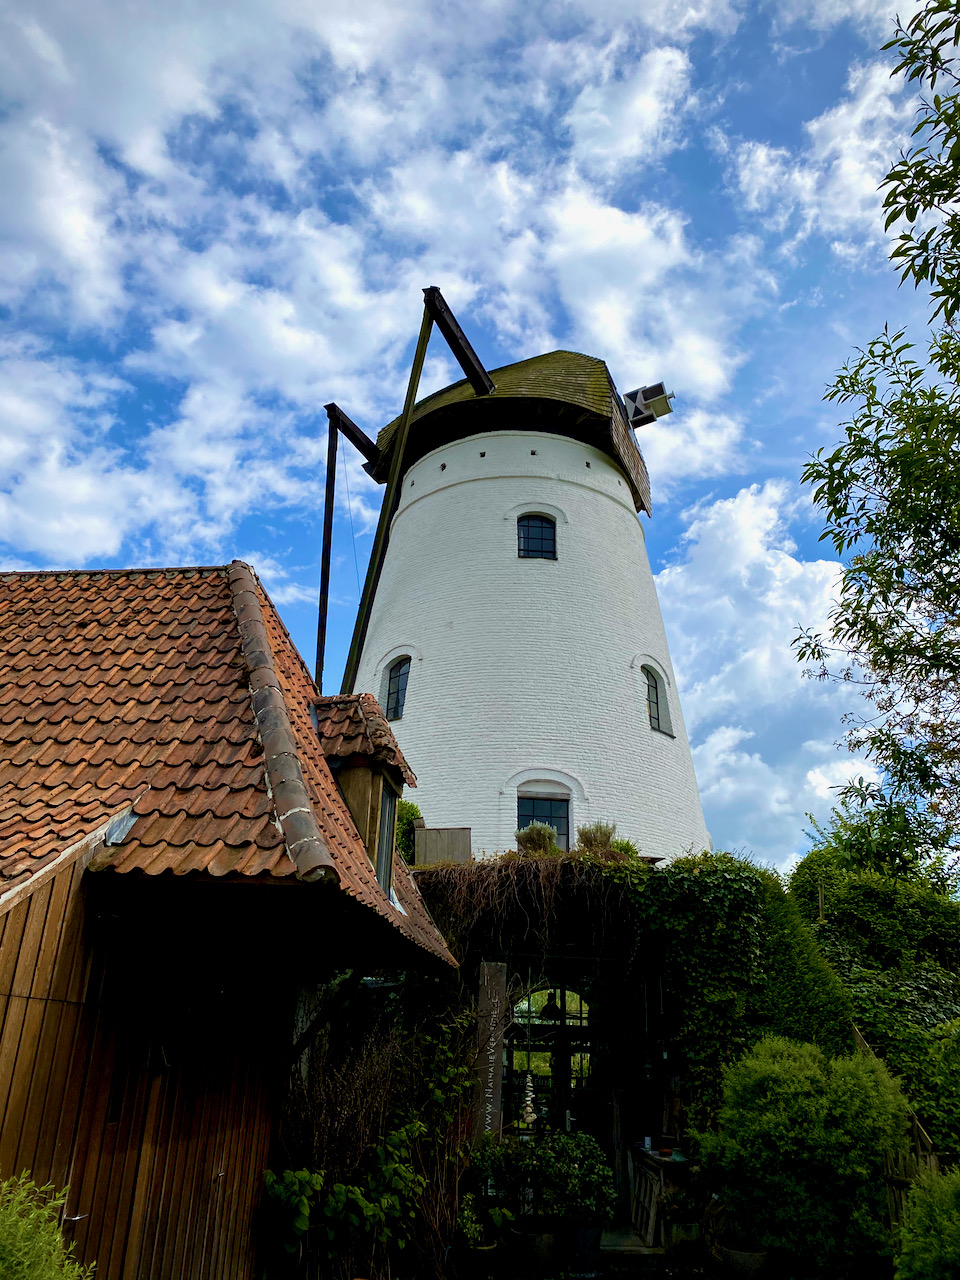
[(387, 836), (555, 813), (536, 538)]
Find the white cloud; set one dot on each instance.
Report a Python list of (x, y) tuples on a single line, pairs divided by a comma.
[(73, 488), (676, 18), (276, 577), (825, 778), (829, 187), (874, 17), (634, 118), (732, 605), (737, 600), (691, 444), (65, 491), (637, 290), (761, 805)]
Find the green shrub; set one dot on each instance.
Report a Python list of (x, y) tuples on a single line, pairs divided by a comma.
[(799, 1154), (407, 815), (31, 1247), (625, 847), (537, 840), (596, 837), (930, 1235), (374, 1215), (557, 1176)]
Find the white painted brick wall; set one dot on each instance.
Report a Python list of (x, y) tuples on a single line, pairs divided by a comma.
[(527, 668)]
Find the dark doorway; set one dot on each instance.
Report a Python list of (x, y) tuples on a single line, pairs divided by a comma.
[(548, 1057)]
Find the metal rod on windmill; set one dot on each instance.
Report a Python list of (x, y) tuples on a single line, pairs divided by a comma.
[(435, 310), (337, 423)]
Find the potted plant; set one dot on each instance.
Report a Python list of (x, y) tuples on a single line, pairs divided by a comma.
[(556, 1185), (479, 1225)]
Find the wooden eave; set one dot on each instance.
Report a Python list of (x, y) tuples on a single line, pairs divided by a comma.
[(563, 393)]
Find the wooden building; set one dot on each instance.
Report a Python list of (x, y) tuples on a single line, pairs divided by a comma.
[(177, 865)]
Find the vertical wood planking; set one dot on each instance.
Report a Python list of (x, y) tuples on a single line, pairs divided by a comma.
[(142, 1142)]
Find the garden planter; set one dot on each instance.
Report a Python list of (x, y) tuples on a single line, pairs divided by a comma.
[(740, 1262), (534, 1251), (586, 1255), (479, 1262)]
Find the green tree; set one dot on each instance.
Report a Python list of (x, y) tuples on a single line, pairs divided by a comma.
[(890, 490), (407, 817), (798, 1155)]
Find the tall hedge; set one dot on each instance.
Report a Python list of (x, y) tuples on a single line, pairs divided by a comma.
[(801, 998), (894, 944)]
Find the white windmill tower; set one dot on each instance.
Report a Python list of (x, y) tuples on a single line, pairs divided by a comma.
[(510, 625)]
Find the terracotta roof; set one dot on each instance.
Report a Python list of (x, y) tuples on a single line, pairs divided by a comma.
[(178, 696), (353, 724)]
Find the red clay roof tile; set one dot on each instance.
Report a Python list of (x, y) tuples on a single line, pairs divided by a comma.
[(353, 724), (133, 689)]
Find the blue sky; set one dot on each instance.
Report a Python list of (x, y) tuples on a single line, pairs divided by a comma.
[(217, 218)]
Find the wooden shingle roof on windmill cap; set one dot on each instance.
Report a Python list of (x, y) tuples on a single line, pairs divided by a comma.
[(565, 392), (566, 376)]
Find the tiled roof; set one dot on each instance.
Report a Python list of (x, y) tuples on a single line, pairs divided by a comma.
[(567, 376), (353, 724), (177, 692)]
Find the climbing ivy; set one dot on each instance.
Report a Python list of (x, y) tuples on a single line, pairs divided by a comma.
[(736, 958)]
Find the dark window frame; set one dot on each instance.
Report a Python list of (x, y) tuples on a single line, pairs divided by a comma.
[(386, 835), (536, 536), (658, 709), (653, 699), (398, 677), (559, 821)]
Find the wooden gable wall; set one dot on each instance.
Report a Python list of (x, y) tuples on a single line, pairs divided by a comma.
[(159, 1123)]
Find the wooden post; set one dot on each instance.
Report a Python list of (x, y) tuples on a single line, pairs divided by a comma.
[(492, 1018), (328, 496), (390, 501), (820, 892)]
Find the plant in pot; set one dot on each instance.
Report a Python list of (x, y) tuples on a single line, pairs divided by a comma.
[(556, 1185), (538, 840), (798, 1159), (480, 1222), (682, 1207), (580, 1196)]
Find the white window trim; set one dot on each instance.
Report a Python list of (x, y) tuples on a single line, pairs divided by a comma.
[(536, 508), (639, 663), (381, 672), (520, 782)]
